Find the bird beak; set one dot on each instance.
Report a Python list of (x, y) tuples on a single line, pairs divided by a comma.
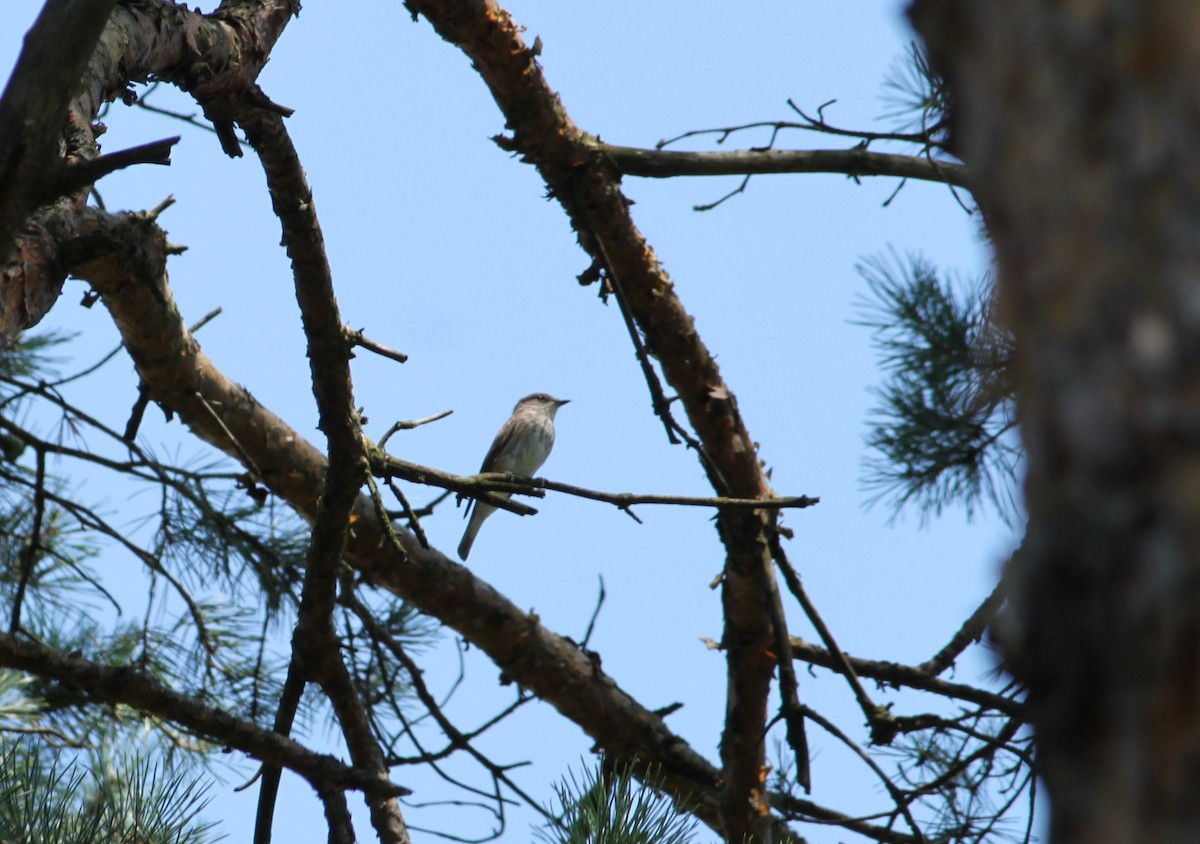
[(561, 402)]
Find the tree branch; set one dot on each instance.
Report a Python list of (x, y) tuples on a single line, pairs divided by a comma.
[(315, 647), (121, 685), (972, 629), (877, 717), (82, 174), (34, 107), (386, 466), (855, 162), (458, 740), (905, 675), (217, 58), (805, 810)]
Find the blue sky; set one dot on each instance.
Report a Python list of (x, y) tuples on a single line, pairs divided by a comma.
[(443, 246)]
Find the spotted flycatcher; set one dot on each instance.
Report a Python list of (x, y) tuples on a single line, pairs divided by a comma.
[(521, 447)]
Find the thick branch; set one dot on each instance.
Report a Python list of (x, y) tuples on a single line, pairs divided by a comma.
[(130, 688), (315, 644), (33, 109), (50, 104)]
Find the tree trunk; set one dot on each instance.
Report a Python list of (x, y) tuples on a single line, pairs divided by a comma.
[(1081, 123)]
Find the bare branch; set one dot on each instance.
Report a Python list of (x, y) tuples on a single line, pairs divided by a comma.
[(82, 174), (32, 549), (809, 124), (971, 630), (476, 486), (409, 424), (877, 716), (624, 500), (315, 645), (855, 162), (892, 789), (285, 716), (358, 338), (458, 739), (903, 675), (797, 808)]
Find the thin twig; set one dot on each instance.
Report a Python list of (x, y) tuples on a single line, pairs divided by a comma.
[(428, 509), (30, 551), (625, 500), (233, 441), (357, 338), (877, 716), (1000, 742), (971, 630), (587, 636), (897, 796), (805, 810), (196, 326), (408, 425), (819, 124), (898, 675), (413, 522), (189, 119), (86, 577), (386, 523), (416, 680), (709, 206), (856, 162), (811, 125), (658, 399), (46, 732)]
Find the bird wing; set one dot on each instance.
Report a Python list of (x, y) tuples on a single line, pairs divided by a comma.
[(489, 460), (498, 445)]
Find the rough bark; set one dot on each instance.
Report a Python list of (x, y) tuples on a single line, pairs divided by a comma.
[(33, 156), (1079, 121)]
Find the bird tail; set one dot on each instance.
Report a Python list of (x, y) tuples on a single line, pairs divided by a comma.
[(481, 512)]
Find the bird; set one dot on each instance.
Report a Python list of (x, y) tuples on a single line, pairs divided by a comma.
[(521, 447)]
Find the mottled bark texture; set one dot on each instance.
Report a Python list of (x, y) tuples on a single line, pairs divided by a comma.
[(1080, 122)]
